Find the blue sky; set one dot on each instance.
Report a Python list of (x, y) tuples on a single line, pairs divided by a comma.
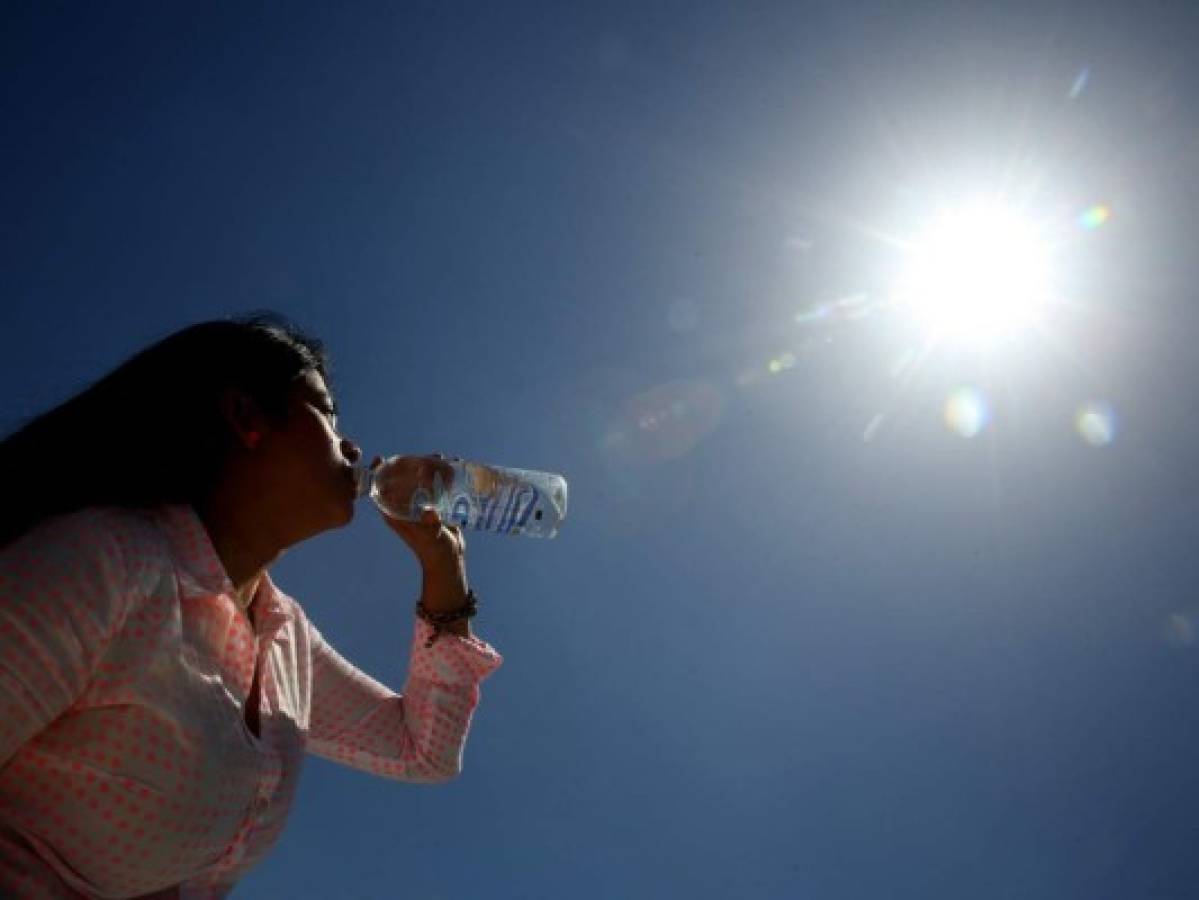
[(799, 637)]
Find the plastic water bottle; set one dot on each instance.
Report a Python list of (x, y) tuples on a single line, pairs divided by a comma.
[(474, 496)]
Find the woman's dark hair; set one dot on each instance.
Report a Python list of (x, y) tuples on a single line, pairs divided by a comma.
[(152, 431)]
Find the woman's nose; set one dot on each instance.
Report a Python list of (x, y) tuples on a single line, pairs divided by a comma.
[(350, 450)]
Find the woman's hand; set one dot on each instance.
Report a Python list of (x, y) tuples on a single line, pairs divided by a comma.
[(439, 548)]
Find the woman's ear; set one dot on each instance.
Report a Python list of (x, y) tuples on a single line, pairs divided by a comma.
[(246, 422)]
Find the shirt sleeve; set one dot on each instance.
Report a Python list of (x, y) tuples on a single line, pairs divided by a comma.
[(416, 735), (62, 600)]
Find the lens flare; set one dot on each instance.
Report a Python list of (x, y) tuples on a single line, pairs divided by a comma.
[(781, 363), (1179, 630), (1096, 424), (667, 421), (966, 412), (1094, 217), (872, 427), (1080, 83), (844, 309)]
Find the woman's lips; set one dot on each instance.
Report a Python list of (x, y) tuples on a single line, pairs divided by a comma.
[(350, 474), (360, 479)]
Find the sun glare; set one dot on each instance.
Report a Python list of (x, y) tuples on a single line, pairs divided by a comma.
[(978, 274)]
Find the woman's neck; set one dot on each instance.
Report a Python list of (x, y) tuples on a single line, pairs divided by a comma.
[(244, 547)]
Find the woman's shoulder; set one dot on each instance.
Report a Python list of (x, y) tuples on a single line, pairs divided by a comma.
[(121, 536), (126, 527), (95, 566)]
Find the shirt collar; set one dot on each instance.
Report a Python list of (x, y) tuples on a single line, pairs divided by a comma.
[(201, 572), (271, 610)]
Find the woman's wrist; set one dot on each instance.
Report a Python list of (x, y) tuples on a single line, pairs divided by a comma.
[(454, 621), (441, 593)]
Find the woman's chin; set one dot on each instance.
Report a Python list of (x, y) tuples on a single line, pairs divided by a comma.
[(337, 517)]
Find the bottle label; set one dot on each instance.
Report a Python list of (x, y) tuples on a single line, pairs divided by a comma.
[(506, 511)]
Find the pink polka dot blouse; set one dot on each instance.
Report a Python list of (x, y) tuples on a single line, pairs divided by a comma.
[(151, 735)]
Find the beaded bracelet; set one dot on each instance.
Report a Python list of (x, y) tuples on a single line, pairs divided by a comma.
[(438, 620)]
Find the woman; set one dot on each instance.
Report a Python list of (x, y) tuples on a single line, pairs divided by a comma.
[(157, 690)]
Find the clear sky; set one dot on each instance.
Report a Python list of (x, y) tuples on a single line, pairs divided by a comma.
[(839, 611)]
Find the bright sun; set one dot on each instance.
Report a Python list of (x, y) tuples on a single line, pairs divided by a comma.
[(980, 273)]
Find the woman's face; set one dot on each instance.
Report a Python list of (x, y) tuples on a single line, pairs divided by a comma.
[(306, 466)]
